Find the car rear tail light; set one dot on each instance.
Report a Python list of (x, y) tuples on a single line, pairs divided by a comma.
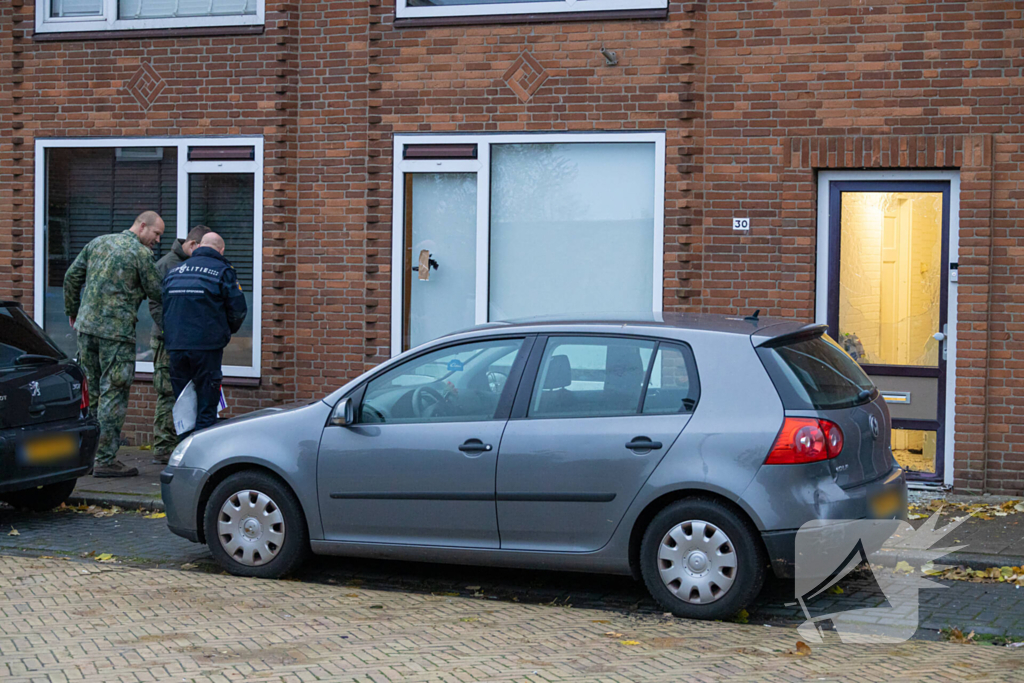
[(85, 394), (805, 439)]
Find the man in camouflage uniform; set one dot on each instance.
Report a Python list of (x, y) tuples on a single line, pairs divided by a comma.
[(164, 436), (117, 273)]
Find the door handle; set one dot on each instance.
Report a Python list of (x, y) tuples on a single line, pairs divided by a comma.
[(642, 443), (36, 411), (474, 446), (939, 336)]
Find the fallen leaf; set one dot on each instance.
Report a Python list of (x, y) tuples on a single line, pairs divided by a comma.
[(1019, 507), (803, 648), (613, 634), (742, 617), (156, 515), (189, 565), (917, 515), (600, 621), (904, 566), (629, 642), (836, 590), (105, 557), (468, 619), (351, 595), (472, 588), (13, 532)]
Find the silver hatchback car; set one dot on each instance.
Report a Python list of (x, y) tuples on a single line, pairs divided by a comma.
[(686, 451)]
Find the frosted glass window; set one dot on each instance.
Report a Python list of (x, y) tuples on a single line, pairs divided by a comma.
[(76, 8), (163, 9), (572, 229)]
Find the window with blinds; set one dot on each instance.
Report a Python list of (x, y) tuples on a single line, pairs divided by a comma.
[(117, 15), (98, 191)]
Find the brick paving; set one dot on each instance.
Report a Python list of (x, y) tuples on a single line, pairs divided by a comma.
[(64, 620), (985, 608)]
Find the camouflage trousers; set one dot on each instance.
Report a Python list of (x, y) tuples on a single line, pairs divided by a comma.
[(164, 436), (110, 368)]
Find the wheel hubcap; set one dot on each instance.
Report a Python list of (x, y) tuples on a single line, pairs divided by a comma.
[(251, 528), (697, 562)]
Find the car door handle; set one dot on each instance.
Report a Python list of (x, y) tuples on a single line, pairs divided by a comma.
[(642, 443), (36, 411), (474, 446)]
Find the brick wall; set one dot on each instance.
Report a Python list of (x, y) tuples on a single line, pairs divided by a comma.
[(797, 87)]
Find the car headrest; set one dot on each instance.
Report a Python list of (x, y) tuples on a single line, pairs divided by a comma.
[(559, 373)]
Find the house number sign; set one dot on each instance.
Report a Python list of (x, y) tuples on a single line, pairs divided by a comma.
[(741, 224)]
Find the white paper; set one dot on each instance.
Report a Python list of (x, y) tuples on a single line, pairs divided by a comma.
[(185, 410)]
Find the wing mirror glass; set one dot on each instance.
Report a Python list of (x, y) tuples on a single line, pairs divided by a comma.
[(344, 413)]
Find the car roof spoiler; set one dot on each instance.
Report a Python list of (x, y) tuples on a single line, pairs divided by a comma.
[(800, 334)]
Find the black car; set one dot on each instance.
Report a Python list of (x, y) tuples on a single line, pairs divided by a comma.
[(47, 437)]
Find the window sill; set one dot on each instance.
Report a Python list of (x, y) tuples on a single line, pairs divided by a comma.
[(545, 18), (121, 34), (227, 381)]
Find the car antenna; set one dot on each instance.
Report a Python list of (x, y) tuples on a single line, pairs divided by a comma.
[(753, 318)]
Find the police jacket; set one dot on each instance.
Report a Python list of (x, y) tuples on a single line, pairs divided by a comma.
[(203, 303), (176, 256)]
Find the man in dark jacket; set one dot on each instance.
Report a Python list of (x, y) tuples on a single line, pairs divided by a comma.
[(203, 306), (164, 438)]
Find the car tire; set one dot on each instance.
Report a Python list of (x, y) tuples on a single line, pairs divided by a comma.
[(685, 559), (255, 526), (41, 498)]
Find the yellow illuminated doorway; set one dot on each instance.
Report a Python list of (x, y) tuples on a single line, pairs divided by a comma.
[(888, 275)]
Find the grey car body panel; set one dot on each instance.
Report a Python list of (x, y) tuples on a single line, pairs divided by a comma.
[(284, 440), (720, 451)]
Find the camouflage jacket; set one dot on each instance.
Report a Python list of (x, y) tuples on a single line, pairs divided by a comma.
[(117, 273), (175, 257)]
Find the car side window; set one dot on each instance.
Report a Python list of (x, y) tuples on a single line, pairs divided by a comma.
[(460, 383), (590, 377), (673, 386)]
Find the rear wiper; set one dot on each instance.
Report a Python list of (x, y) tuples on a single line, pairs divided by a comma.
[(34, 359)]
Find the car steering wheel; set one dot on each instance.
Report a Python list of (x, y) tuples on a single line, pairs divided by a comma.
[(424, 400)]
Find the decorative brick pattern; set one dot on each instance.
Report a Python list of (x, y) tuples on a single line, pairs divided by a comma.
[(146, 85), (525, 76)]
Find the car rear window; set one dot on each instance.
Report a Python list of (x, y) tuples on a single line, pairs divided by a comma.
[(19, 335), (815, 374)]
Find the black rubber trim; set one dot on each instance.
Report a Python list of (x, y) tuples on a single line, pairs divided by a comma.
[(557, 497), (398, 495), (510, 497)]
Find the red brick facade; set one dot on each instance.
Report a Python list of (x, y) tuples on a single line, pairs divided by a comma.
[(755, 98)]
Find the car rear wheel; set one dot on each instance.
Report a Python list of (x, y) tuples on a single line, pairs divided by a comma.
[(700, 560), (41, 498), (255, 527)]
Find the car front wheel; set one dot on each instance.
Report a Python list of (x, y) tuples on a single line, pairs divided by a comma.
[(255, 527), (700, 560)]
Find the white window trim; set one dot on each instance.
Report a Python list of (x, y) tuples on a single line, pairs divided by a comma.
[(109, 21), (404, 11), (184, 168), (482, 167), (821, 285)]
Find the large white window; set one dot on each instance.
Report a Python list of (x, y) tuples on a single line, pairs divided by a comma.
[(498, 227), (108, 15), (420, 9), (88, 188)]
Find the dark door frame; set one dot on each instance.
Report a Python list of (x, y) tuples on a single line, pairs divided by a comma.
[(938, 425)]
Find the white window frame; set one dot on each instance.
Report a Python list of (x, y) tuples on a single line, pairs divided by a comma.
[(108, 21), (825, 178), (482, 167), (404, 11), (185, 167)]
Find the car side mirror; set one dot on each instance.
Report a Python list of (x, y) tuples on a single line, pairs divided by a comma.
[(344, 413)]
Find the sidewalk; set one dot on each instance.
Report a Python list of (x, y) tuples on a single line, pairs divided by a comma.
[(131, 493), (994, 542)]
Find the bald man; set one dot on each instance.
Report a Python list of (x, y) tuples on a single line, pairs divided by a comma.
[(102, 292), (203, 306)]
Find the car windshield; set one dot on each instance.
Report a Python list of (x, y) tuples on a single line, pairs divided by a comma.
[(816, 374), (21, 338)]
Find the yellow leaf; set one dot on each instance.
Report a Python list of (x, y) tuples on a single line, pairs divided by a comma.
[(836, 590), (13, 532), (904, 566), (629, 642), (156, 515), (104, 556), (916, 515), (742, 617), (803, 648), (1019, 507), (468, 619)]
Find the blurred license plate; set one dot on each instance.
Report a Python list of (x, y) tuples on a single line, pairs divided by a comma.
[(886, 504), (50, 449)]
